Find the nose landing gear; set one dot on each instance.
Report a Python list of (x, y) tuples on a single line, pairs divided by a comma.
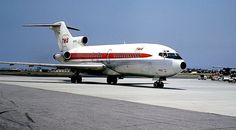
[(159, 83)]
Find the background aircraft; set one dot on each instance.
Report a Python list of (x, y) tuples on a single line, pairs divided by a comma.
[(115, 61)]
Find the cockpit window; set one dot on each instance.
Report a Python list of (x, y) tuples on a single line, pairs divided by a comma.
[(163, 54), (170, 55)]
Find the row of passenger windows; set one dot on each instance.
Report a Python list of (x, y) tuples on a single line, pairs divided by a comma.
[(170, 55), (129, 55)]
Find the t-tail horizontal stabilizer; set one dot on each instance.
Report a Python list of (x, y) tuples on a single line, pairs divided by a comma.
[(50, 25)]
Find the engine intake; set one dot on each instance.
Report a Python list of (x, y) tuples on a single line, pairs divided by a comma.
[(67, 55), (81, 39)]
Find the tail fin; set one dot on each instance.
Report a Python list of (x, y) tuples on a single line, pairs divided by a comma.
[(64, 38)]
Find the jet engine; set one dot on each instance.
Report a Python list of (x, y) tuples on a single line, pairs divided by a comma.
[(80, 39), (67, 55), (62, 57)]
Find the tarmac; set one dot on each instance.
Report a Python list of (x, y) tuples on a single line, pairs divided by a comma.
[(55, 103)]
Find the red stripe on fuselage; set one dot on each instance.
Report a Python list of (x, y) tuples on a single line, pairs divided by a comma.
[(108, 55)]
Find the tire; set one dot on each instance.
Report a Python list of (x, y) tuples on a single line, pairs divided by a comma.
[(158, 85), (114, 80), (79, 79), (109, 80), (161, 85), (155, 85), (73, 79)]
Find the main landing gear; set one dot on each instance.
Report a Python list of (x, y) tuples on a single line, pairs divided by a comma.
[(159, 83), (111, 79), (76, 78)]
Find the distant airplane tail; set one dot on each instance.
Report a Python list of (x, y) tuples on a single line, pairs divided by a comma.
[(64, 38)]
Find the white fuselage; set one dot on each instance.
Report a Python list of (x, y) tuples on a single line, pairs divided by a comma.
[(139, 59)]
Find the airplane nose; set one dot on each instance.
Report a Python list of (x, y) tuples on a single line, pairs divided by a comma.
[(183, 65)]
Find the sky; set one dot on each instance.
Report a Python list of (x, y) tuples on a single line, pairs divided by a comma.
[(202, 31)]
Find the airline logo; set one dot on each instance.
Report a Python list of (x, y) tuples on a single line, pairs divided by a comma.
[(139, 48), (65, 38)]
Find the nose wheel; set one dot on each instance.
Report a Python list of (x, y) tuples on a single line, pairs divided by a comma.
[(159, 83)]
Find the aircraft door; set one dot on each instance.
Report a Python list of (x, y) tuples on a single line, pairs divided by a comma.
[(164, 64)]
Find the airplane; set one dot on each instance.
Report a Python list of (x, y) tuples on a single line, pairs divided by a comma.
[(114, 61)]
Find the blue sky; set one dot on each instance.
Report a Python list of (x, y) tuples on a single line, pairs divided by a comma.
[(202, 31)]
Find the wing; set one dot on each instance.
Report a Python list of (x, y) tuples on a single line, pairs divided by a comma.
[(81, 66)]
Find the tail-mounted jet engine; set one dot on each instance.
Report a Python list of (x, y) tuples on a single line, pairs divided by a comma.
[(80, 39), (67, 55), (62, 57)]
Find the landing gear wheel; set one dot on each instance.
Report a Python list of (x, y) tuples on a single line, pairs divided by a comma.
[(73, 79), (79, 79), (114, 82), (76, 78), (108, 80), (111, 79), (158, 84)]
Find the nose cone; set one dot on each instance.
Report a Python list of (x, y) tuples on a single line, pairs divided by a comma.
[(179, 66)]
